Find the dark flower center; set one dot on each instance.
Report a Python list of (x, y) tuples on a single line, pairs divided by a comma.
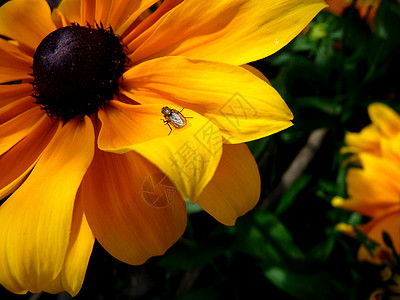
[(76, 70)]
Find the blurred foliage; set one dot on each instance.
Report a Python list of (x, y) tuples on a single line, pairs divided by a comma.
[(287, 249)]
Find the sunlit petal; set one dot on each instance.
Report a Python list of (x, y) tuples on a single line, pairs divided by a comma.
[(133, 209), (12, 131), (221, 31), (11, 92), (385, 118), (17, 162), (130, 35), (14, 65), (243, 106), (188, 156), (235, 187), (78, 254), (71, 10), (371, 199), (367, 140), (124, 125), (36, 220), (26, 21), (124, 13)]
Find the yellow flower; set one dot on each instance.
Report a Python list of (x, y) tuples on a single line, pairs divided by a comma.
[(385, 125), (374, 191), (84, 153)]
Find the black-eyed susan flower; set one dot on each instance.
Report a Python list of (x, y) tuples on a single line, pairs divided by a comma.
[(85, 151)]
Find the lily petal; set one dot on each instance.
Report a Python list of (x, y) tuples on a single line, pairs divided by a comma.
[(235, 187), (35, 222), (26, 21), (78, 254), (221, 30), (132, 208), (243, 106), (14, 65), (188, 156)]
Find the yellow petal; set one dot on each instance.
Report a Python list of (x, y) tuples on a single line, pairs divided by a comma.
[(88, 10), (26, 21), (188, 157), (124, 125), (102, 11), (14, 65), (368, 140), (235, 187), (58, 18), (243, 106), (11, 92), (256, 72), (372, 199), (389, 223), (235, 32), (16, 107), (124, 12), (17, 162), (78, 254), (12, 131), (142, 27), (385, 118), (132, 208), (35, 222), (71, 11), (390, 149)]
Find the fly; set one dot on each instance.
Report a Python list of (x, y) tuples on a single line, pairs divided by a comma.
[(174, 117)]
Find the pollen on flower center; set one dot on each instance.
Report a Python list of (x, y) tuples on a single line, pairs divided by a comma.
[(76, 70)]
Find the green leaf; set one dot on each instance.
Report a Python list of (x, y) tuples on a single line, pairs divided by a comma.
[(302, 286), (324, 105), (290, 194), (276, 234), (185, 258), (322, 251), (387, 20), (258, 147), (209, 293)]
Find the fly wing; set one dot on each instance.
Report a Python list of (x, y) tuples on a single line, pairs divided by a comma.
[(177, 120)]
